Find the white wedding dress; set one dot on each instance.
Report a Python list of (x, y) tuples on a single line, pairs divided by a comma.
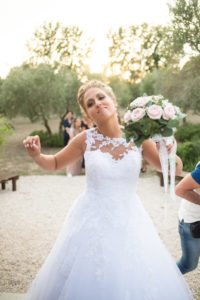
[(108, 248)]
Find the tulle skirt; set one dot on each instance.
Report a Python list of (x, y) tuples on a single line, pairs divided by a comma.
[(107, 252)]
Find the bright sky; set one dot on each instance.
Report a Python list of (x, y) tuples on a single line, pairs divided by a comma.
[(19, 19)]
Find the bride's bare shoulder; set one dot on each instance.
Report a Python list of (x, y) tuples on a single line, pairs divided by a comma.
[(80, 139)]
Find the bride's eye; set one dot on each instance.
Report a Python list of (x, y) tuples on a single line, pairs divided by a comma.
[(101, 97), (90, 104)]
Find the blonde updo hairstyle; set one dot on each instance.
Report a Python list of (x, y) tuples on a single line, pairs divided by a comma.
[(93, 84)]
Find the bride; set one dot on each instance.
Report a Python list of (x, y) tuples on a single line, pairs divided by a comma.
[(108, 248)]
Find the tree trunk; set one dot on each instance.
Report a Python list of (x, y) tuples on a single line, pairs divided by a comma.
[(47, 126), (61, 122)]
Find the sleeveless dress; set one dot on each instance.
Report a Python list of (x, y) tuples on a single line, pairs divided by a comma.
[(108, 248)]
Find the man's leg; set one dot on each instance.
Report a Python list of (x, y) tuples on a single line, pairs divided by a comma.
[(190, 249)]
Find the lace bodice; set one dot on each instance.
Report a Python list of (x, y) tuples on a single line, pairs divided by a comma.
[(112, 164)]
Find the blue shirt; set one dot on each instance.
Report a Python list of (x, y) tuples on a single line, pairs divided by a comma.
[(196, 173)]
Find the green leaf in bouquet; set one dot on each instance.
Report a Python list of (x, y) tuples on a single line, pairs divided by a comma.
[(160, 102), (139, 141), (149, 103), (181, 116), (172, 123), (162, 121), (166, 131)]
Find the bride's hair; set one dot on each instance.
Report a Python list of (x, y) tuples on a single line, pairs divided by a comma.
[(93, 84)]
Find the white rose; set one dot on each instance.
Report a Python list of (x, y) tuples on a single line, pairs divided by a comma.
[(137, 114)]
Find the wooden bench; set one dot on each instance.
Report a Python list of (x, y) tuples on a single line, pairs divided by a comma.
[(177, 177), (4, 178)]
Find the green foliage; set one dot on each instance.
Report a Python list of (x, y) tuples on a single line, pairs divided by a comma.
[(122, 90), (29, 91), (60, 45), (186, 20), (66, 87), (147, 85), (53, 140), (189, 152), (137, 50), (39, 92), (5, 130), (188, 132)]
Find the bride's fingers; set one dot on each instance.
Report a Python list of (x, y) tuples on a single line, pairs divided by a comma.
[(170, 147), (30, 142), (158, 145)]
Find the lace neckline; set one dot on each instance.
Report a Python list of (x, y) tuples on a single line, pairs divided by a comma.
[(117, 147), (107, 138), (99, 140)]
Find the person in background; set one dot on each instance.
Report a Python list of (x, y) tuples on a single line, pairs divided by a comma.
[(67, 124), (76, 167), (189, 220), (86, 123)]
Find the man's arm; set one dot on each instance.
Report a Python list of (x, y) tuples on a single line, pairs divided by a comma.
[(185, 189)]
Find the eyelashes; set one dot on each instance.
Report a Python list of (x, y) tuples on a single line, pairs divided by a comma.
[(90, 103)]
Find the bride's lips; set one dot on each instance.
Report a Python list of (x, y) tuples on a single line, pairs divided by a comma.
[(101, 108)]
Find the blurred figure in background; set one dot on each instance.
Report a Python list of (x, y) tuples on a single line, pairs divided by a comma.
[(67, 124), (74, 168), (86, 123)]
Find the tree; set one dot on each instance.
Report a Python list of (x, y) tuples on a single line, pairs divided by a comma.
[(30, 92), (186, 23), (40, 92), (122, 90), (66, 86), (190, 83), (137, 50), (59, 46)]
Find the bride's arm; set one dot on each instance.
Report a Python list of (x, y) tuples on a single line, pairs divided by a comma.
[(150, 154), (71, 153)]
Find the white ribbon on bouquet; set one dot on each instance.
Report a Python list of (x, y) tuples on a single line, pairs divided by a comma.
[(168, 161)]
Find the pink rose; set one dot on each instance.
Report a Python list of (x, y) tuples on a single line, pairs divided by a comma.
[(137, 114), (169, 112), (154, 112), (140, 101), (127, 116)]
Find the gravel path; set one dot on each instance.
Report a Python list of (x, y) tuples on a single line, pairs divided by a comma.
[(32, 216)]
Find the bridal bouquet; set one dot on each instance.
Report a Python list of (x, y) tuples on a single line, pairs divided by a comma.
[(154, 117), (149, 116)]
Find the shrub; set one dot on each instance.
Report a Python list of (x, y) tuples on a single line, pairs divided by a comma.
[(189, 152), (54, 140), (5, 130), (188, 132)]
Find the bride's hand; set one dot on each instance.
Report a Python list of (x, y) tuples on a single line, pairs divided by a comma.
[(32, 145), (169, 147)]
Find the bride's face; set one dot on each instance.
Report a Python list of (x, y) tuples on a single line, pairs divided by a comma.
[(99, 105)]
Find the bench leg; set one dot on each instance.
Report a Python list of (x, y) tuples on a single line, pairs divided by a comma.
[(3, 185), (14, 184)]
